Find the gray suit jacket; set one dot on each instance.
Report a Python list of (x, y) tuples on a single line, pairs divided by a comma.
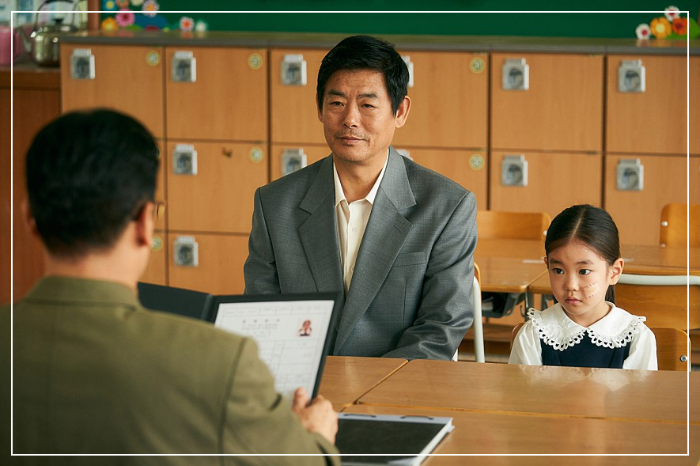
[(410, 295)]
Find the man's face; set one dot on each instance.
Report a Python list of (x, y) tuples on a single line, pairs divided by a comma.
[(356, 114)]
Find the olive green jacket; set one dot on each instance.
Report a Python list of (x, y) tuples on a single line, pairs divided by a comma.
[(95, 372)]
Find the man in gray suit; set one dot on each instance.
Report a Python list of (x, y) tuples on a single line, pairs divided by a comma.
[(396, 237)]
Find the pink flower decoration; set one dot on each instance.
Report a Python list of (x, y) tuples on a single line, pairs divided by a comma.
[(186, 23), (125, 17), (643, 31), (671, 13)]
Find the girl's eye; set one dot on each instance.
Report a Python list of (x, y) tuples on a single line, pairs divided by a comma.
[(557, 271), (584, 272)]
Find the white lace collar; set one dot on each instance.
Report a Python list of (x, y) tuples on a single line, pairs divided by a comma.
[(555, 328)]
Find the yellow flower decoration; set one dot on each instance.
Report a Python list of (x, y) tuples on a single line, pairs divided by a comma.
[(109, 24), (660, 27)]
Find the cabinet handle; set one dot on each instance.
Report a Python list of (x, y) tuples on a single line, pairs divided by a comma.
[(631, 76), (82, 64), (514, 170), (516, 75), (293, 160), (409, 64), (186, 251), (630, 175), (293, 70), (184, 160), (184, 67)]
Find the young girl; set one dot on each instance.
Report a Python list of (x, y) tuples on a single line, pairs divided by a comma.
[(584, 328)]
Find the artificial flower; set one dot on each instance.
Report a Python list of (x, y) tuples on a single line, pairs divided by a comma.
[(660, 27), (109, 24), (122, 4), (201, 26), (186, 23), (150, 7), (136, 2), (680, 26), (109, 5), (125, 17), (643, 31), (672, 12)]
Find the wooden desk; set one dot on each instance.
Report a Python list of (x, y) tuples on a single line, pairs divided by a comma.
[(346, 379), (650, 259), (553, 392), (509, 266), (482, 433)]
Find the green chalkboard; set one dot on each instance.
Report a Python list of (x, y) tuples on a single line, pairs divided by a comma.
[(465, 17)]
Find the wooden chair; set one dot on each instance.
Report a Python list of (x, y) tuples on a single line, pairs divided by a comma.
[(674, 225), (478, 325), (661, 298), (512, 225), (672, 347)]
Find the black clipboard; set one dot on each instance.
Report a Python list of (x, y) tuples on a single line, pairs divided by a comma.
[(372, 439), (293, 332)]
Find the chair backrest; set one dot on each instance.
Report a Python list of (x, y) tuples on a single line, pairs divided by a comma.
[(512, 225), (674, 225), (672, 347), (662, 298), (479, 352)]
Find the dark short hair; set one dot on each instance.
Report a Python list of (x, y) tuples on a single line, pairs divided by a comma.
[(589, 225), (88, 174), (366, 53)]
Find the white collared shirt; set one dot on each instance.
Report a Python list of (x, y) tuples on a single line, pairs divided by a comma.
[(352, 221)]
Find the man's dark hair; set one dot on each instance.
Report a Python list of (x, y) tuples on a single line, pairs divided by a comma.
[(366, 53), (88, 174)]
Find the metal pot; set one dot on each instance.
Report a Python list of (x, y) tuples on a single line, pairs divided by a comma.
[(43, 44)]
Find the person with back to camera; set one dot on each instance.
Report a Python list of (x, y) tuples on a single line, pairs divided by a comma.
[(584, 328), (95, 372), (396, 237)]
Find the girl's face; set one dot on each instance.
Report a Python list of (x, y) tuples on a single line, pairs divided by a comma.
[(579, 278)]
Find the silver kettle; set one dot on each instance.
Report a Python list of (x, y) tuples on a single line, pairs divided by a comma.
[(43, 44)]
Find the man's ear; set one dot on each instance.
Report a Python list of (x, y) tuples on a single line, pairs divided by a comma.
[(145, 224), (616, 271), (28, 219), (402, 112)]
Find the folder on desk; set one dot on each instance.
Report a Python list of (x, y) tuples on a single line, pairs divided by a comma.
[(365, 439)]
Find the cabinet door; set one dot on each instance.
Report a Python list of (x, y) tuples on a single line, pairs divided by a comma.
[(211, 185), (293, 109), (449, 101), (280, 154), (638, 213), (468, 168), (222, 95), (561, 110), (157, 262), (220, 260), (127, 78), (555, 181), (652, 121), (694, 95)]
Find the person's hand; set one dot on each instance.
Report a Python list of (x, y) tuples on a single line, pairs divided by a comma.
[(318, 416)]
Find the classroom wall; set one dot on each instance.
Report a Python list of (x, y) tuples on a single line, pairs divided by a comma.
[(378, 17)]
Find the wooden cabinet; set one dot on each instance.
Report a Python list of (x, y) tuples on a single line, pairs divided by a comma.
[(219, 268), (126, 78), (224, 96), (637, 213), (36, 95), (561, 109), (293, 110), (219, 196), (449, 101), (468, 168), (652, 121), (554, 181), (156, 270), (312, 153)]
